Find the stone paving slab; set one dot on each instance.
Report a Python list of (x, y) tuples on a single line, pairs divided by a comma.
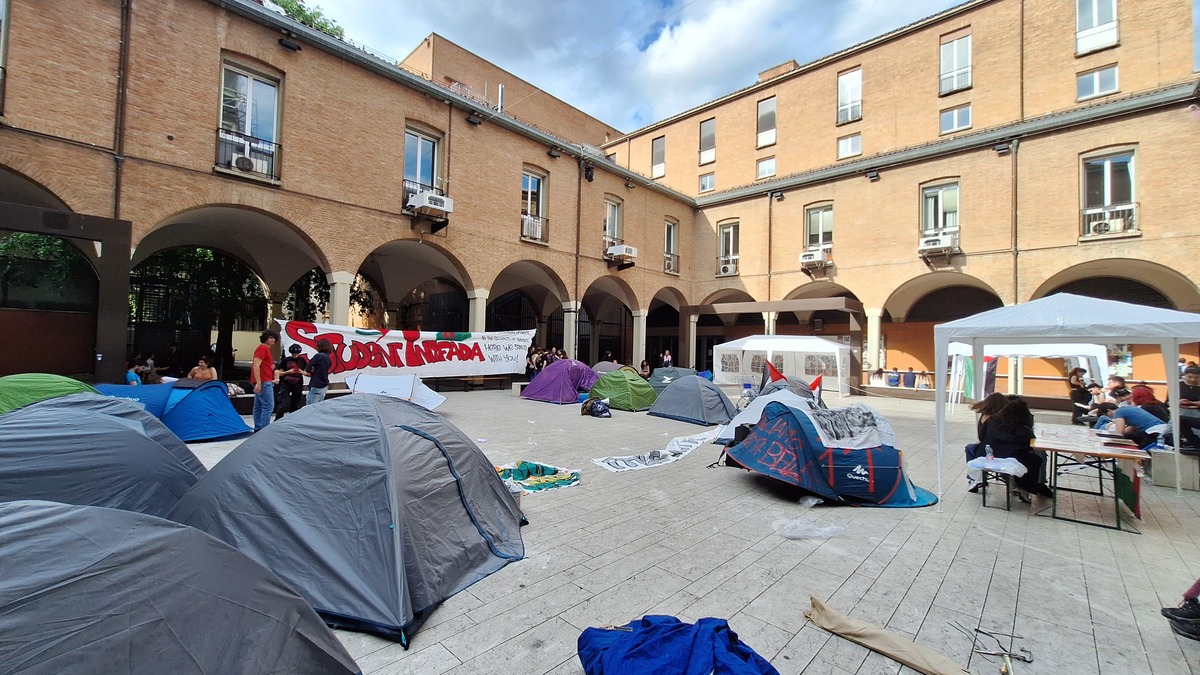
[(693, 541)]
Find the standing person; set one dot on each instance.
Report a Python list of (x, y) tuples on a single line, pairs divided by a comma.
[(262, 374), (289, 397), (667, 361), (170, 364), (319, 368), (1075, 378), (530, 367)]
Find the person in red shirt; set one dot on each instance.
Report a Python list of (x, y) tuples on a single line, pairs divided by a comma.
[(262, 374)]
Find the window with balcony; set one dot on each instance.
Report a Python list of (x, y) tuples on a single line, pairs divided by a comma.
[(658, 157), (766, 122), (820, 227), (1095, 25), (849, 106), (956, 64), (612, 223), (249, 123), (534, 224), (708, 141), (849, 146), (939, 209), (955, 119), (708, 182), (1096, 82), (727, 249), (420, 163), (765, 167), (1108, 195), (671, 247)]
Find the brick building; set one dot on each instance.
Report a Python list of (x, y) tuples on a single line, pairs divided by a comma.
[(990, 154)]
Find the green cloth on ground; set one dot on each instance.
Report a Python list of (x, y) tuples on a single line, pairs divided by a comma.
[(534, 477)]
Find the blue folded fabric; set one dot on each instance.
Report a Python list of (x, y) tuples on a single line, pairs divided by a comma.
[(664, 645)]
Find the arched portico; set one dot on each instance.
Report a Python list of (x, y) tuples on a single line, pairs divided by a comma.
[(1146, 282), (530, 295), (611, 306), (424, 287)]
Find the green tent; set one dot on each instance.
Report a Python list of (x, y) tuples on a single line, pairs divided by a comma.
[(624, 391), (18, 391)]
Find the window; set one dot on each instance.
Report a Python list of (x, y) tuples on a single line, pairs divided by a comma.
[(658, 157), (612, 223), (249, 122), (766, 122), (766, 167), (849, 96), (727, 249), (671, 247), (533, 222), (612, 157), (1108, 195), (939, 209), (708, 141), (1095, 25), (1096, 83), (955, 119), (849, 146), (708, 182), (420, 162), (820, 227), (956, 65)]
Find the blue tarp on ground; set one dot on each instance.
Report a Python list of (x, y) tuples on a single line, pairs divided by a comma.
[(786, 445), (194, 410), (662, 645)]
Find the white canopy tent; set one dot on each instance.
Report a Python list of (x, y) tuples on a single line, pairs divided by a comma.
[(1063, 318), (800, 355), (1095, 355)]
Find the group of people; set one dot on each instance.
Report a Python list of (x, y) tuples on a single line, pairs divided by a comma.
[(145, 370), (910, 379), (1005, 429), (1134, 411), (288, 375), (537, 358)]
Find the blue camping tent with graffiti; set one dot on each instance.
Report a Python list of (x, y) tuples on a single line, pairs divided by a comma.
[(846, 455), (194, 410)]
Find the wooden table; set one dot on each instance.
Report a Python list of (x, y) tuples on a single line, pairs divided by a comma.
[(1114, 460)]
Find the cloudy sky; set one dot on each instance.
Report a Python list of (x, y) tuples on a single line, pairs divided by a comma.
[(629, 62)]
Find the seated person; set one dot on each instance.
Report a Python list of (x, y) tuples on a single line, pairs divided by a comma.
[(644, 371), (878, 378), (1115, 382), (910, 379), (1082, 401), (1189, 406), (133, 375), (893, 378), (1010, 434), (1131, 422), (203, 370), (1143, 397)]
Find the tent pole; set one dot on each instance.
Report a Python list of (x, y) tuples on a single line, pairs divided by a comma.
[(1170, 363), (941, 349)]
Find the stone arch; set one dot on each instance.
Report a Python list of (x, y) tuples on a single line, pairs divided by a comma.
[(907, 294), (1179, 290)]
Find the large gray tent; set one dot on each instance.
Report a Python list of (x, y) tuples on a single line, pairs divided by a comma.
[(694, 399), (125, 409), (92, 590), (373, 508), (662, 378), (88, 458)]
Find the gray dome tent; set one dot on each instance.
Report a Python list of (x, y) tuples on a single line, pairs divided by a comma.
[(93, 590), (662, 378), (374, 509), (694, 399), (125, 409), (88, 458)]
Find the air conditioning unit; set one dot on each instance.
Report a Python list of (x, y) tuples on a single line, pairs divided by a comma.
[(670, 267), (943, 243), (817, 258), (242, 163), (1111, 226), (729, 268), (621, 251), (431, 203)]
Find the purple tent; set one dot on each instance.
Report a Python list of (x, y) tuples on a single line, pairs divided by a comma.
[(561, 382)]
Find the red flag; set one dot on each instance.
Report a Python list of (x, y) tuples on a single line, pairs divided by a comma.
[(815, 385), (774, 374)]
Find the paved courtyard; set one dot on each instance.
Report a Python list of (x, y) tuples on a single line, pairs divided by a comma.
[(690, 541)]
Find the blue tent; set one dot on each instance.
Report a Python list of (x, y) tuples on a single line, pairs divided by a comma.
[(194, 410), (786, 445)]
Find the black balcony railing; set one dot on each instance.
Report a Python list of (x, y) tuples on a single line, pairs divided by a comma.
[(535, 228), (412, 187), (611, 241), (247, 154)]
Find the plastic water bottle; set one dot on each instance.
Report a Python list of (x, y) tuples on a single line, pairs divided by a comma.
[(988, 449)]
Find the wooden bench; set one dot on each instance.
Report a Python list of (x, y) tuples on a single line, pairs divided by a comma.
[(469, 382)]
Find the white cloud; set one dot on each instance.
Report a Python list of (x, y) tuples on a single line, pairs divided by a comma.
[(631, 62)]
